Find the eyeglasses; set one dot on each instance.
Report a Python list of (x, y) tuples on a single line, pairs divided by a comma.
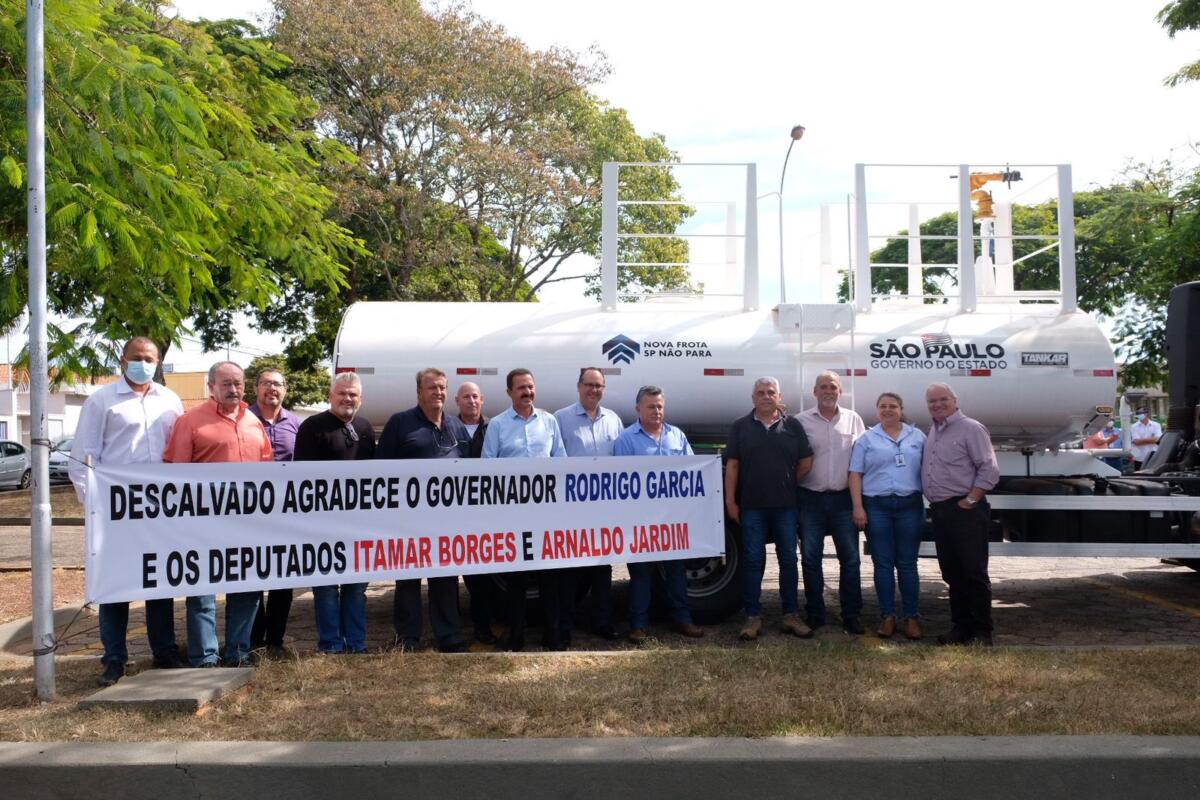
[(444, 449), (593, 385), (273, 384)]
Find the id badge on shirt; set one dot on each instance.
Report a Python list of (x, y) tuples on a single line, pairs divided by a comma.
[(899, 459)]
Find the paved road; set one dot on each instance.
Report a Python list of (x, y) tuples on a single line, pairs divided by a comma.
[(1063, 602)]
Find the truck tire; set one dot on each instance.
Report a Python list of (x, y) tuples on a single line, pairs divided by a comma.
[(714, 584)]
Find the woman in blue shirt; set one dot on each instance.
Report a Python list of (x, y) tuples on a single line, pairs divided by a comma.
[(885, 489)]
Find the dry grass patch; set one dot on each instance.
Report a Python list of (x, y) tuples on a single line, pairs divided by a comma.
[(780, 689), (16, 592), (63, 503)]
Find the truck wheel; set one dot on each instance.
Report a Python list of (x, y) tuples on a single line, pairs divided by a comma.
[(714, 584)]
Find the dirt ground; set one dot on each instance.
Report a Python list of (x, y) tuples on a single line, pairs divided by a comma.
[(16, 591)]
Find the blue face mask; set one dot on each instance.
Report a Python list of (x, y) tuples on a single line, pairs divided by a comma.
[(140, 372)]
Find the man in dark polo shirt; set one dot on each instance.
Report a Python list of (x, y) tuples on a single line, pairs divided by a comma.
[(767, 455), (424, 431)]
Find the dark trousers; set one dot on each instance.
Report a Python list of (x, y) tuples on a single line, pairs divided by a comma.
[(443, 611), (481, 590), (961, 536), (553, 585), (271, 621), (599, 580)]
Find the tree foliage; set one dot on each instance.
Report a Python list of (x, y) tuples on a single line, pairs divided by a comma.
[(479, 159), (182, 177), (1181, 15)]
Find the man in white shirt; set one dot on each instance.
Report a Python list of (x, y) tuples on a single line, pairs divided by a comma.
[(825, 506), (1144, 436), (128, 422)]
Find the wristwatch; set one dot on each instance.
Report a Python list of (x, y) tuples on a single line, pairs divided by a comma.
[(970, 501)]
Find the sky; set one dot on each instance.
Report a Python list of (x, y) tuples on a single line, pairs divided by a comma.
[(1017, 82)]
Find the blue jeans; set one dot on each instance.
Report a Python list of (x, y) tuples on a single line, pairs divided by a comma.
[(341, 617), (202, 630), (640, 575), (756, 523), (894, 525), (240, 610), (829, 513), (160, 629)]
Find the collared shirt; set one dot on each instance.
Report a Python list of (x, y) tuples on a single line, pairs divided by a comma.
[(281, 433), (411, 434), (120, 426), (584, 436), (206, 435), (634, 441), (889, 466), (958, 457), (327, 437), (832, 442), (1144, 430), (509, 435), (766, 457)]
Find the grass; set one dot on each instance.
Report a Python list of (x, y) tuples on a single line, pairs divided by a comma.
[(785, 688), (63, 503)]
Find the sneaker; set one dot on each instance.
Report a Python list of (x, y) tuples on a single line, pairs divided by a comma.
[(887, 627), (952, 637), (792, 624), (637, 636), (853, 625), (113, 672), (688, 629), (912, 629), (751, 629)]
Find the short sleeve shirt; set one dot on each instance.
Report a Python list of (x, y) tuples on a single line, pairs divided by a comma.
[(767, 459), (889, 466)]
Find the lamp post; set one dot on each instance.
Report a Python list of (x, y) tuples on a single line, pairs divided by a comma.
[(797, 133)]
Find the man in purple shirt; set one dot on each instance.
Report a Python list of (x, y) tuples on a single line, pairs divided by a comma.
[(270, 387), (958, 468)]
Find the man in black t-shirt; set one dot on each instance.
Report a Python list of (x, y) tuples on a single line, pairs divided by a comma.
[(766, 456), (339, 435)]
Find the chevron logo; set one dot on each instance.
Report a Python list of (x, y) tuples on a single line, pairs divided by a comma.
[(620, 349)]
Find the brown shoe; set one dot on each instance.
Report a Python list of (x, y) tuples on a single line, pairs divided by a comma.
[(792, 624), (912, 628), (751, 629), (688, 629), (887, 627), (637, 636)]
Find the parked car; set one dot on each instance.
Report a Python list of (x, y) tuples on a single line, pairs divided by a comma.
[(60, 459), (14, 465)]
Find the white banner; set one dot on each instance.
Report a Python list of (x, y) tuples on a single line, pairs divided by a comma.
[(173, 530)]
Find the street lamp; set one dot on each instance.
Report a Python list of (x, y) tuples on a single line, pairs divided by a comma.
[(797, 133)]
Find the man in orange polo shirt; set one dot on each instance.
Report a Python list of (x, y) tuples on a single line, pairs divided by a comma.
[(219, 431)]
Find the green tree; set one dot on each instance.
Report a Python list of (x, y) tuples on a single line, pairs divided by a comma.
[(307, 386), (182, 177), (1181, 15)]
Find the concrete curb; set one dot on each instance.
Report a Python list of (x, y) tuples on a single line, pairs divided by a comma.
[(927, 767)]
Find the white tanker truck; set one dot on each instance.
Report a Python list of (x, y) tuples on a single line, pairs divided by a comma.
[(1030, 365)]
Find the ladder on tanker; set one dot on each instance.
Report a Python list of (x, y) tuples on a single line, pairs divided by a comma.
[(814, 329)]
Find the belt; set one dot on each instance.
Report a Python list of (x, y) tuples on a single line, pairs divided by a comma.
[(831, 491), (947, 501)]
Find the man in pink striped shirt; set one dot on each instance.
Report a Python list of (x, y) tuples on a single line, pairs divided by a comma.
[(958, 469)]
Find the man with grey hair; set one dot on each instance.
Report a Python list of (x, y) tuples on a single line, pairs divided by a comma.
[(958, 469), (219, 431), (825, 505), (339, 434), (652, 436), (766, 456)]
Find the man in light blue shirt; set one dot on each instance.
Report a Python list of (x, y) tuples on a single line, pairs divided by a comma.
[(652, 436), (589, 429), (525, 431)]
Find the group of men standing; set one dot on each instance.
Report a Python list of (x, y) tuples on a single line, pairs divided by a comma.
[(786, 480)]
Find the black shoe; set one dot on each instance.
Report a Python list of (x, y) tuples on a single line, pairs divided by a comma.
[(852, 625), (168, 660), (485, 636), (241, 663), (553, 644), (953, 636), (113, 672), (815, 622), (607, 633), (979, 640), (510, 645), (209, 665), (457, 647), (406, 645)]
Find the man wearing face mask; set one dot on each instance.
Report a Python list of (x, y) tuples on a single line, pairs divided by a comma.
[(128, 422), (270, 388), (220, 431)]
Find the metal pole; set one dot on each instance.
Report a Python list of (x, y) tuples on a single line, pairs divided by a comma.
[(609, 244), (916, 279), (782, 173), (862, 243), (41, 558), (1066, 240), (750, 281), (966, 242)]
